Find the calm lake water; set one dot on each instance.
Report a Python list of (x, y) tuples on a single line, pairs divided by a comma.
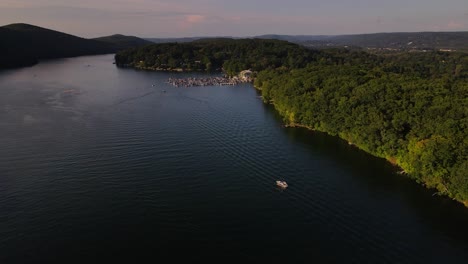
[(97, 164)]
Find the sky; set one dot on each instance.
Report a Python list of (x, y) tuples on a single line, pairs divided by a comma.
[(188, 18)]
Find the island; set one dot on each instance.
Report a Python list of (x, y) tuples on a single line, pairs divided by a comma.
[(410, 108)]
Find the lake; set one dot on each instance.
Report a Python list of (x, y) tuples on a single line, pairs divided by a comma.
[(101, 164)]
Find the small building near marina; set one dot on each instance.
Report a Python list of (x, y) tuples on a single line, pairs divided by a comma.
[(246, 75)]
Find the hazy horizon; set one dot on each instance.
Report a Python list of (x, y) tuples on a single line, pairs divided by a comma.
[(207, 18), (230, 36)]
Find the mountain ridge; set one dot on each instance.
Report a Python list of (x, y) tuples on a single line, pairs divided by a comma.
[(25, 45), (121, 42), (383, 40)]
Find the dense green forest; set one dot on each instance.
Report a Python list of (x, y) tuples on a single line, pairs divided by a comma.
[(409, 108), (232, 56), (24, 45)]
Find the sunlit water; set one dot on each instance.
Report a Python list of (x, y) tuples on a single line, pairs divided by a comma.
[(98, 163)]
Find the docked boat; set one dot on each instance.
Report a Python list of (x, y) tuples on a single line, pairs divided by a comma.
[(282, 184)]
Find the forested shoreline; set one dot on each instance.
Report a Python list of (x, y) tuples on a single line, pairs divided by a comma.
[(409, 108)]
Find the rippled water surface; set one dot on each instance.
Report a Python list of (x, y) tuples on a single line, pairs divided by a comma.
[(98, 163)]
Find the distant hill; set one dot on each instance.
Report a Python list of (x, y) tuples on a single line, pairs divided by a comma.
[(25, 45), (405, 41), (294, 38), (185, 40), (172, 40), (121, 42), (396, 41), (385, 41), (290, 38)]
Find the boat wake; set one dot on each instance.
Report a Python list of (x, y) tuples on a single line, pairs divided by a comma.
[(132, 98)]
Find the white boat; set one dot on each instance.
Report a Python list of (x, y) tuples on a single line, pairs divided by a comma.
[(282, 184)]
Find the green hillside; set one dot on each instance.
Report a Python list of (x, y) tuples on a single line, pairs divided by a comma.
[(214, 54)]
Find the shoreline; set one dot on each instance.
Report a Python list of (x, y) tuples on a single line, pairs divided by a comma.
[(393, 161), (158, 69), (225, 80)]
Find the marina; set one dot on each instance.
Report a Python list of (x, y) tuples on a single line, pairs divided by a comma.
[(209, 81)]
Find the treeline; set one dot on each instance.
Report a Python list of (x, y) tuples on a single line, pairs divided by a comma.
[(230, 55), (410, 108)]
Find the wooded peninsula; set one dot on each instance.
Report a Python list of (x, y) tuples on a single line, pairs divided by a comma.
[(409, 108)]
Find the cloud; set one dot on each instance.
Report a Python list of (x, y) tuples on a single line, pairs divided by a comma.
[(379, 20), (11, 4), (194, 19), (455, 25), (189, 21), (451, 25)]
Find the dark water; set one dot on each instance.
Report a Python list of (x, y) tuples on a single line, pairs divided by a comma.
[(96, 164)]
